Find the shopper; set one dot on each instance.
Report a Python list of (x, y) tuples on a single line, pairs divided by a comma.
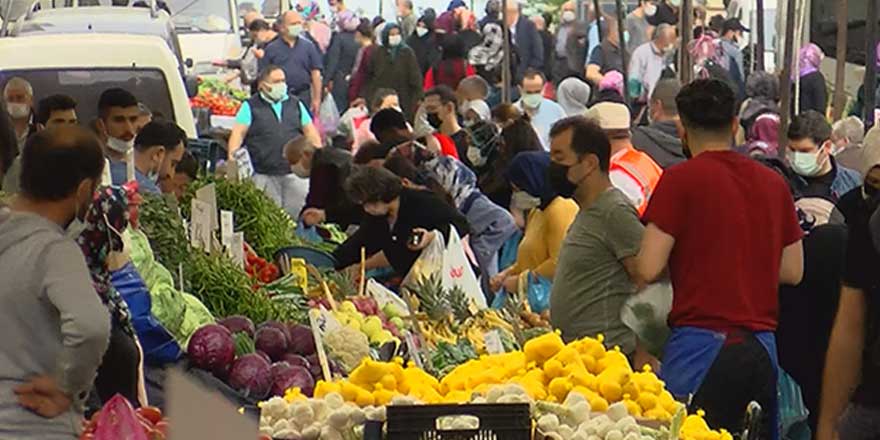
[(650, 59), (703, 215), (19, 97), (607, 56), (300, 60), (398, 224), (366, 40), (592, 282), (573, 96), (452, 67), (762, 92), (405, 17), (341, 55), (809, 155), (185, 173), (732, 59), (763, 137), (517, 136), (567, 25), (542, 111), (52, 111), (659, 139), (850, 406), (632, 171), (58, 330), (266, 122), (847, 135), (547, 216), (424, 41), (637, 26), (529, 48), (158, 148), (813, 93), (326, 200), (441, 110), (394, 66)]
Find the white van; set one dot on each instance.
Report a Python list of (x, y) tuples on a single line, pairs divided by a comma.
[(208, 30), (83, 66)]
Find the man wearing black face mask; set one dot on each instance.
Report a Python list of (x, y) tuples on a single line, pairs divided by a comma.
[(592, 279), (56, 333), (440, 108), (857, 204)]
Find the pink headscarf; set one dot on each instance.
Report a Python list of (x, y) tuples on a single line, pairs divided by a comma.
[(612, 80), (810, 57), (764, 135), (347, 21)]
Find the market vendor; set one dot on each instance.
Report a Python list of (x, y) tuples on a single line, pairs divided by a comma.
[(398, 224), (727, 248), (158, 148), (55, 327)]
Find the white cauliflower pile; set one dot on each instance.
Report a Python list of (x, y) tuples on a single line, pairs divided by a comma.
[(572, 421), (330, 418), (507, 393)]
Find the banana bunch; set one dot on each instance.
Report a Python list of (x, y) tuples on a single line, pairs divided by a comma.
[(484, 321), (435, 332)]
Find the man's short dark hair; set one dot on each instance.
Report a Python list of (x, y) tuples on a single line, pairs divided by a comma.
[(188, 165), (266, 72), (445, 93), (159, 133), (587, 137), (380, 96), (55, 161), (809, 124), (476, 82), (365, 29), (665, 92), (385, 120), (51, 104), (373, 150), (532, 73), (707, 104), (115, 97), (259, 25), (370, 184)]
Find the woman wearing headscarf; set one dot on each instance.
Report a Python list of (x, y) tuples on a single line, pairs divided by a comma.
[(610, 89), (575, 50), (120, 369), (547, 218), (813, 93), (424, 41), (452, 66), (517, 136), (341, 56), (573, 95), (487, 56), (762, 96), (763, 136), (858, 107), (394, 66)]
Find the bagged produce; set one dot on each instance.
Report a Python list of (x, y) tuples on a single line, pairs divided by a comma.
[(118, 420), (646, 312)]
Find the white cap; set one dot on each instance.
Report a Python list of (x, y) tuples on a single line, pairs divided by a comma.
[(610, 115)]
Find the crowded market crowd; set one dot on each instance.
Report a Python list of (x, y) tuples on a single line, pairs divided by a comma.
[(597, 180)]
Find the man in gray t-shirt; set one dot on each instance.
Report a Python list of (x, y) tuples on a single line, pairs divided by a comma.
[(592, 279)]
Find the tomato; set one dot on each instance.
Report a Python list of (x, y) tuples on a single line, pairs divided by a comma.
[(151, 413)]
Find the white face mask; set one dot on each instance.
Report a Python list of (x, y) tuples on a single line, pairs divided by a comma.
[(394, 40), (421, 32), (650, 9), (524, 201), (475, 157), (76, 227), (300, 171), (18, 110), (568, 16), (119, 145)]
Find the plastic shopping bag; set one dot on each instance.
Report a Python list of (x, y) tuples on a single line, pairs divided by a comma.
[(118, 421), (430, 262), (646, 312), (457, 270), (539, 292), (350, 120), (328, 114)]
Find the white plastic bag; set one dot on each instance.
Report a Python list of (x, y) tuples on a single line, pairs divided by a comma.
[(452, 264), (646, 313), (347, 121), (328, 114)]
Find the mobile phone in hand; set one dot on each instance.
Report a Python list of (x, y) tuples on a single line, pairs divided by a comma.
[(415, 238)]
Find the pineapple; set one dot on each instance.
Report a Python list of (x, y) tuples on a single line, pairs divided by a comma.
[(459, 303), (432, 297)]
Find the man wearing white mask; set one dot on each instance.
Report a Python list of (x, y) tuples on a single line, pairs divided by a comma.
[(158, 148), (19, 97), (637, 24), (299, 58), (118, 118), (542, 111), (264, 125), (809, 156)]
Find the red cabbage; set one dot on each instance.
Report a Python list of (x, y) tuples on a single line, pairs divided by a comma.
[(211, 348), (278, 325), (263, 355), (279, 367), (271, 341), (251, 375), (302, 342), (293, 377), (296, 360), (238, 323)]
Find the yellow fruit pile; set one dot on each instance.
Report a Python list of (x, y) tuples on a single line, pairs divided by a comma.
[(696, 428), (347, 314), (546, 368)]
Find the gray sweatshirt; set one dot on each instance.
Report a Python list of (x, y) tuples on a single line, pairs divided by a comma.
[(52, 319)]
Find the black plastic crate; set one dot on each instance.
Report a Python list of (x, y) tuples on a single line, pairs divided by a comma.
[(497, 422)]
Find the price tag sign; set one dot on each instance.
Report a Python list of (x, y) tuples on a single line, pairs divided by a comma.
[(227, 227), (413, 349), (200, 234), (318, 322), (243, 163), (129, 166), (236, 248), (383, 297), (493, 342), (208, 194)]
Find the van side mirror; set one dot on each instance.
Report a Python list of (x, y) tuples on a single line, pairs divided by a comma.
[(192, 85)]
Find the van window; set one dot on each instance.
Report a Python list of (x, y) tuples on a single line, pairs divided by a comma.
[(201, 15), (86, 85)]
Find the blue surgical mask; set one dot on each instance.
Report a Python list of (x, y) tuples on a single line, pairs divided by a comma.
[(294, 30), (804, 164), (532, 100), (276, 93)]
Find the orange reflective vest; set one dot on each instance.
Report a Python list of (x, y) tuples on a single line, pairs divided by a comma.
[(636, 174)]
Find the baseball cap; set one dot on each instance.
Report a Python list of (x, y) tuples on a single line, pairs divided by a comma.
[(733, 24), (610, 115), (871, 151)]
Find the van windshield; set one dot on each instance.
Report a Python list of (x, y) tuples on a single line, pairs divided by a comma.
[(86, 85), (201, 15)]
